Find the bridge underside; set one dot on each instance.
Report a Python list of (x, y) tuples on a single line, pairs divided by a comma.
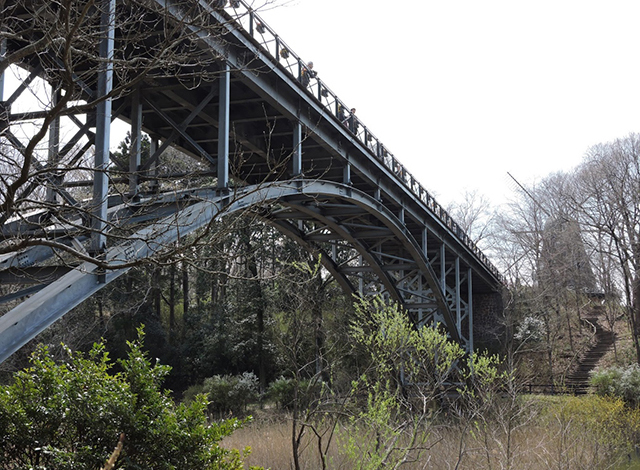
[(250, 137)]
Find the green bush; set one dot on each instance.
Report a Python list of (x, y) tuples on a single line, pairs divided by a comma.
[(191, 393), (622, 382), (285, 392), (244, 390), (230, 393), (70, 415), (282, 391)]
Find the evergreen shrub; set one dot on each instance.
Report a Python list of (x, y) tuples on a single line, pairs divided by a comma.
[(286, 392), (69, 415), (226, 393)]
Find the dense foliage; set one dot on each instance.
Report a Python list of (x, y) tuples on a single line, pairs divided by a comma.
[(226, 393), (70, 414)]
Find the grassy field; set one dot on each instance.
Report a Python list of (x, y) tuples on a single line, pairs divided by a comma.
[(563, 433)]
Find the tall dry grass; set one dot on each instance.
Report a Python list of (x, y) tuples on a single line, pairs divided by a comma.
[(567, 433)]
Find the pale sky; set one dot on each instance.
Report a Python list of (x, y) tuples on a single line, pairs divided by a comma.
[(464, 91)]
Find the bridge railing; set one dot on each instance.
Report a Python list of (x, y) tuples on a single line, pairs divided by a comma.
[(281, 53)]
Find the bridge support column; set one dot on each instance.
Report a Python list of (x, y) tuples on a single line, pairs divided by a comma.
[(135, 151), (457, 293), (488, 322), (296, 155), (103, 129), (361, 279), (53, 144), (3, 53), (424, 242), (223, 127), (346, 173), (438, 317), (154, 184), (470, 308), (443, 270)]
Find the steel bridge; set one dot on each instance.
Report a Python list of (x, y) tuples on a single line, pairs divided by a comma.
[(255, 127)]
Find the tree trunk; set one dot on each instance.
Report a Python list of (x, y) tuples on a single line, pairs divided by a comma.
[(185, 288), (157, 293), (172, 301), (636, 314)]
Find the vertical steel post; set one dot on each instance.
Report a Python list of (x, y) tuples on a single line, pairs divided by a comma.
[(53, 144), (470, 309), (423, 243), (223, 128), (154, 184), (425, 233), (135, 151), (3, 52), (443, 271), (346, 173), (103, 128), (297, 149), (4, 112), (458, 313)]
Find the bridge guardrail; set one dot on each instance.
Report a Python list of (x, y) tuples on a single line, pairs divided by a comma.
[(280, 51)]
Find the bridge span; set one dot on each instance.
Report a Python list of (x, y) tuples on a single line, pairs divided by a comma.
[(258, 131)]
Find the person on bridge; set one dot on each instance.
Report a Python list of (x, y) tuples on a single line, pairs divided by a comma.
[(340, 114), (352, 122), (306, 74)]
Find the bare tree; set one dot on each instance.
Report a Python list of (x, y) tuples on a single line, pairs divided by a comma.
[(608, 198), (541, 242), (474, 214)]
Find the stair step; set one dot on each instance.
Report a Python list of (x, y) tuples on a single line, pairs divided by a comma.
[(579, 379)]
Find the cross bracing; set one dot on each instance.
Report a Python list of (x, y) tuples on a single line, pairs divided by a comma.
[(257, 139)]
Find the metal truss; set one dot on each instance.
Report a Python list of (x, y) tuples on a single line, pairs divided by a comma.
[(318, 214), (252, 136)]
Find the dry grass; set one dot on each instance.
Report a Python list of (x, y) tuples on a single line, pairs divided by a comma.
[(566, 434), (451, 448)]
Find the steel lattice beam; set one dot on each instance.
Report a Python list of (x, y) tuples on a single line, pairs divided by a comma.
[(46, 306), (336, 192)]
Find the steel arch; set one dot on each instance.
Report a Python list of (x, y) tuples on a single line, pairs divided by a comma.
[(43, 308)]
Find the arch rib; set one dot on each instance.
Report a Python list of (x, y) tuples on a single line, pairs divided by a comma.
[(42, 309)]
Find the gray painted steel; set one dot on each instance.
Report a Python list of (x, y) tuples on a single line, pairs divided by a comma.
[(103, 128), (276, 146), (24, 322)]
